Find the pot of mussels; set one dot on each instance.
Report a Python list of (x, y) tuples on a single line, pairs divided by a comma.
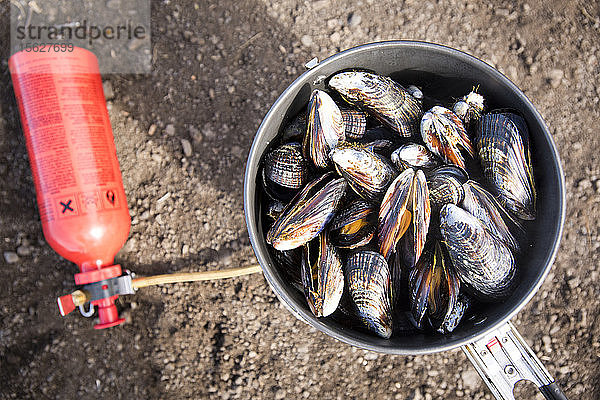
[(407, 198)]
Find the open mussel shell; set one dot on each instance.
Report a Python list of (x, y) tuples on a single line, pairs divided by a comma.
[(470, 107), (354, 226), (368, 173), (446, 186), (285, 171), (368, 279), (483, 206), (484, 265), (414, 155), (308, 213), (503, 148), (355, 123), (433, 286), (405, 207), (394, 215), (325, 128), (322, 276), (382, 97), (445, 135)]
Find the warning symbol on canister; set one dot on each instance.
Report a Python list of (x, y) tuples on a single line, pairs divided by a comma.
[(67, 206), (109, 199), (89, 202)]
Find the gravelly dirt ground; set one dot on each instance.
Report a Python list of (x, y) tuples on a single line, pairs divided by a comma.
[(218, 66)]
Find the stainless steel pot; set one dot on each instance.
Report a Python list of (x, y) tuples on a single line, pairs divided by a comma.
[(496, 349)]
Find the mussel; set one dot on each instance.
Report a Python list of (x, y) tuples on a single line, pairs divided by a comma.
[(285, 171), (484, 265), (503, 148), (470, 107), (354, 226), (444, 134), (322, 276), (482, 205), (355, 123), (446, 186), (325, 128), (368, 173), (454, 315), (308, 213), (379, 95), (405, 207), (368, 279), (434, 288), (414, 155)]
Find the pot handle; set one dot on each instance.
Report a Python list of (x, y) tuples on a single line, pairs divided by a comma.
[(503, 358)]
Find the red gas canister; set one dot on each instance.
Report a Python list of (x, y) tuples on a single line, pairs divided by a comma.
[(72, 155)]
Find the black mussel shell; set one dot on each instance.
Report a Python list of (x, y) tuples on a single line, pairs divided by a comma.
[(382, 97), (415, 92), (308, 213), (325, 128), (355, 123), (368, 279), (503, 149), (446, 186), (449, 170), (433, 286), (482, 205), (483, 264), (354, 226), (414, 155), (405, 208), (454, 315), (445, 135), (381, 146), (368, 174), (322, 276), (285, 171)]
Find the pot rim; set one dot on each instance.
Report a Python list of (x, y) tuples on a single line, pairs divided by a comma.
[(250, 185)]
